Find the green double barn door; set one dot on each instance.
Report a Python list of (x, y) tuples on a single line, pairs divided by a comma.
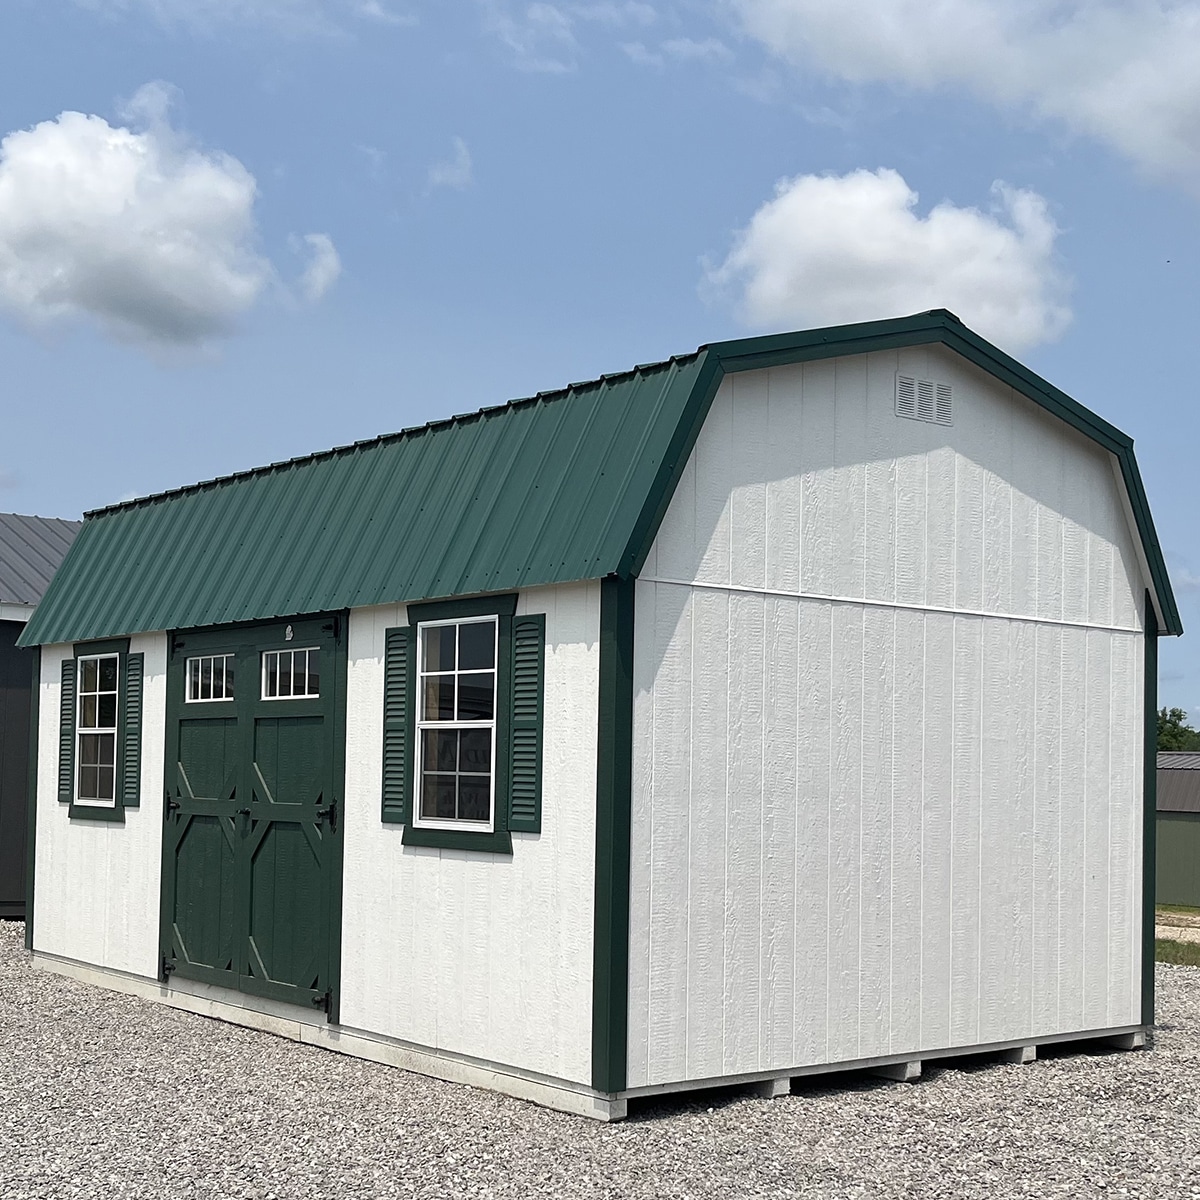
[(251, 845)]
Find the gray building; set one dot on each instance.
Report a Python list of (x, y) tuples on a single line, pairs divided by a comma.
[(1178, 870), (30, 550)]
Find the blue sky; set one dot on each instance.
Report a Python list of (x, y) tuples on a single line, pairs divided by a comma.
[(232, 231)]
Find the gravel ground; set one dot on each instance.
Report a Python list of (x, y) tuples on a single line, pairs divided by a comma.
[(103, 1095)]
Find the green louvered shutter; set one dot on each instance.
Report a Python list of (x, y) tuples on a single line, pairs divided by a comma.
[(131, 732), (66, 735), (525, 784), (399, 668)]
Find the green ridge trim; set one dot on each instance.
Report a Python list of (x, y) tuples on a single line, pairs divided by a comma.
[(1149, 810), (614, 781), (32, 797)]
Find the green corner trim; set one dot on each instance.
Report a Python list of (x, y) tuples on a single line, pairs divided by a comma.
[(35, 718), (334, 941), (1149, 811), (614, 777)]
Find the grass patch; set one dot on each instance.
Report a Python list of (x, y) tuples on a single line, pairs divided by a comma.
[(1178, 908), (1182, 954)]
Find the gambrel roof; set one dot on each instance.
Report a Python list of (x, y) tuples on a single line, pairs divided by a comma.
[(563, 486)]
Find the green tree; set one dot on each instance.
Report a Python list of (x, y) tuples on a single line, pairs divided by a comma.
[(1174, 733)]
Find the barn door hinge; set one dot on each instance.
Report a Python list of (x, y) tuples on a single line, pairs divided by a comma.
[(329, 813), (170, 804), (324, 1001), (168, 965)]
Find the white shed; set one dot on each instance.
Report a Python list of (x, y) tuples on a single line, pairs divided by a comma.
[(782, 707)]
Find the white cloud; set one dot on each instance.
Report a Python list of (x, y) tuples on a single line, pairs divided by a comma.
[(138, 230), (628, 13), (685, 49), (828, 249), (1184, 580), (688, 49), (324, 266), (149, 236), (540, 37), (289, 16), (637, 52), (1122, 71), (453, 172)]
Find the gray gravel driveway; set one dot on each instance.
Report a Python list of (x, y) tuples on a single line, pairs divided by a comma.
[(103, 1095)]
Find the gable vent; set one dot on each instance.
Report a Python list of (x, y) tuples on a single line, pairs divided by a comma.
[(924, 400)]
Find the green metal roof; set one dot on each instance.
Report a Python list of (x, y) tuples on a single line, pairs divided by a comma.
[(566, 485)]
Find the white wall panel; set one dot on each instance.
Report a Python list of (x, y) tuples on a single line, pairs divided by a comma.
[(96, 896), (884, 798), (479, 954)]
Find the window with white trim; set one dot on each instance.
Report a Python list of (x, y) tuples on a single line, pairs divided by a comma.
[(96, 718), (209, 677), (291, 674), (456, 725)]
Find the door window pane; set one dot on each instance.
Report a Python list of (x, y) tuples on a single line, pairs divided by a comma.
[(209, 677), (291, 674)]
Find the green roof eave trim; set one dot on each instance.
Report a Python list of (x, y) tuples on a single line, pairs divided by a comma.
[(563, 486), (938, 326)]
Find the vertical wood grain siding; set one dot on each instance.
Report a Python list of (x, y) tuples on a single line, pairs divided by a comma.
[(97, 896), (483, 955), (859, 829)]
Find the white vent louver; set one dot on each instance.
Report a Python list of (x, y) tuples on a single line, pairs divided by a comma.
[(924, 400)]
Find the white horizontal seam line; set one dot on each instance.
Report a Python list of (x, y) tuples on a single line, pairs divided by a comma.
[(922, 608)]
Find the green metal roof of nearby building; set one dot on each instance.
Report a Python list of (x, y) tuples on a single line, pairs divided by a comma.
[(563, 486)]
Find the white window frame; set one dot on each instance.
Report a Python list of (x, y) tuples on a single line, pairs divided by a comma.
[(418, 792), (188, 698), (293, 651), (81, 732)]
